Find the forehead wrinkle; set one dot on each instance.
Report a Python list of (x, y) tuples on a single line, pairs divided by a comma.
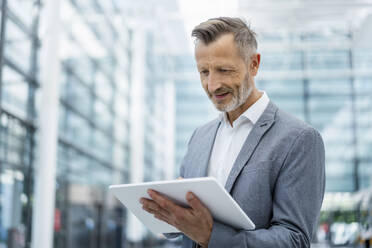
[(218, 61), (213, 63), (213, 58)]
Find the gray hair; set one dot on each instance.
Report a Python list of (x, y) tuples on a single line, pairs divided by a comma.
[(244, 36)]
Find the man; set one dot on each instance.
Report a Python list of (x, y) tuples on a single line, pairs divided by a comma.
[(270, 162)]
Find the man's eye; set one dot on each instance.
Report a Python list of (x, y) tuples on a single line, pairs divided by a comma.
[(204, 72), (224, 70)]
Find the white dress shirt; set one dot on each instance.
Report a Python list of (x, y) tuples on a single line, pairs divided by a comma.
[(230, 139)]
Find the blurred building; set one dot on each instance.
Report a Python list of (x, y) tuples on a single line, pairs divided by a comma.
[(129, 98), (93, 131), (114, 102), (18, 87)]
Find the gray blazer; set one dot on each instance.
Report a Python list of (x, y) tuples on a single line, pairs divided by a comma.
[(278, 179)]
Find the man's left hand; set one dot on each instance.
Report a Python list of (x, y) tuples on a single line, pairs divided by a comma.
[(196, 222)]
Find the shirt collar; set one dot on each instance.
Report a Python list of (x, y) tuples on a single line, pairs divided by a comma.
[(253, 113)]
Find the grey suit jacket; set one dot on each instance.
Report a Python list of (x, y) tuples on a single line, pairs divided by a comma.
[(278, 179)]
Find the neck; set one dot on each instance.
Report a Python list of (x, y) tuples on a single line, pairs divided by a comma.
[(253, 97)]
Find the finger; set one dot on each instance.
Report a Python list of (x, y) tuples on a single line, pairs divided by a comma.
[(158, 214), (160, 211), (150, 204), (179, 178), (163, 201), (162, 218), (195, 203)]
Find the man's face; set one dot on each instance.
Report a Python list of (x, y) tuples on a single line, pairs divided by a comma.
[(224, 75)]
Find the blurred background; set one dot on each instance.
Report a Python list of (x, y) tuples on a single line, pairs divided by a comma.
[(94, 93)]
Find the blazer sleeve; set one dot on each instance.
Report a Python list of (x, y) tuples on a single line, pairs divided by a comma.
[(297, 200)]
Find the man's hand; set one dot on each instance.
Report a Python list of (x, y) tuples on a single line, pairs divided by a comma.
[(196, 222)]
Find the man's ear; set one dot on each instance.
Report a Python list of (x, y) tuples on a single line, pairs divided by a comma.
[(255, 63)]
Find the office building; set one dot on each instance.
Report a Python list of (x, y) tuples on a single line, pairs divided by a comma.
[(109, 130), (94, 93)]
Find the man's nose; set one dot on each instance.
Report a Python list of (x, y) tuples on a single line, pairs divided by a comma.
[(214, 82)]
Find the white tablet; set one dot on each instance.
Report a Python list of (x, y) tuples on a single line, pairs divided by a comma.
[(211, 193)]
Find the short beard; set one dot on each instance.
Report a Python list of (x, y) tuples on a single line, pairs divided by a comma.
[(237, 100)]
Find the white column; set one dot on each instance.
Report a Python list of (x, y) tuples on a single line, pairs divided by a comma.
[(135, 228), (45, 166), (120, 107)]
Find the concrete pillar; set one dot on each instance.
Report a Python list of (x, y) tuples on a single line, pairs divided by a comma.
[(135, 228), (45, 166)]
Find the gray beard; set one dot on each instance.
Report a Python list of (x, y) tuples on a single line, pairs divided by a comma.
[(243, 94)]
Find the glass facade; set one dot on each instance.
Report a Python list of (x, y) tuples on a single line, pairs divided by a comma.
[(95, 138), (130, 98), (93, 150), (18, 85)]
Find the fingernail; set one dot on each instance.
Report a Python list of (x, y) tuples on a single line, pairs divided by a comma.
[(149, 191), (141, 201), (190, 196)]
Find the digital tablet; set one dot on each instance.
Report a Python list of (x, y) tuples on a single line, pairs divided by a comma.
[(211, 193)]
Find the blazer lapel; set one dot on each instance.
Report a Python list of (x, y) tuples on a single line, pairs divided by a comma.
[(259, 129), (202, 156)]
